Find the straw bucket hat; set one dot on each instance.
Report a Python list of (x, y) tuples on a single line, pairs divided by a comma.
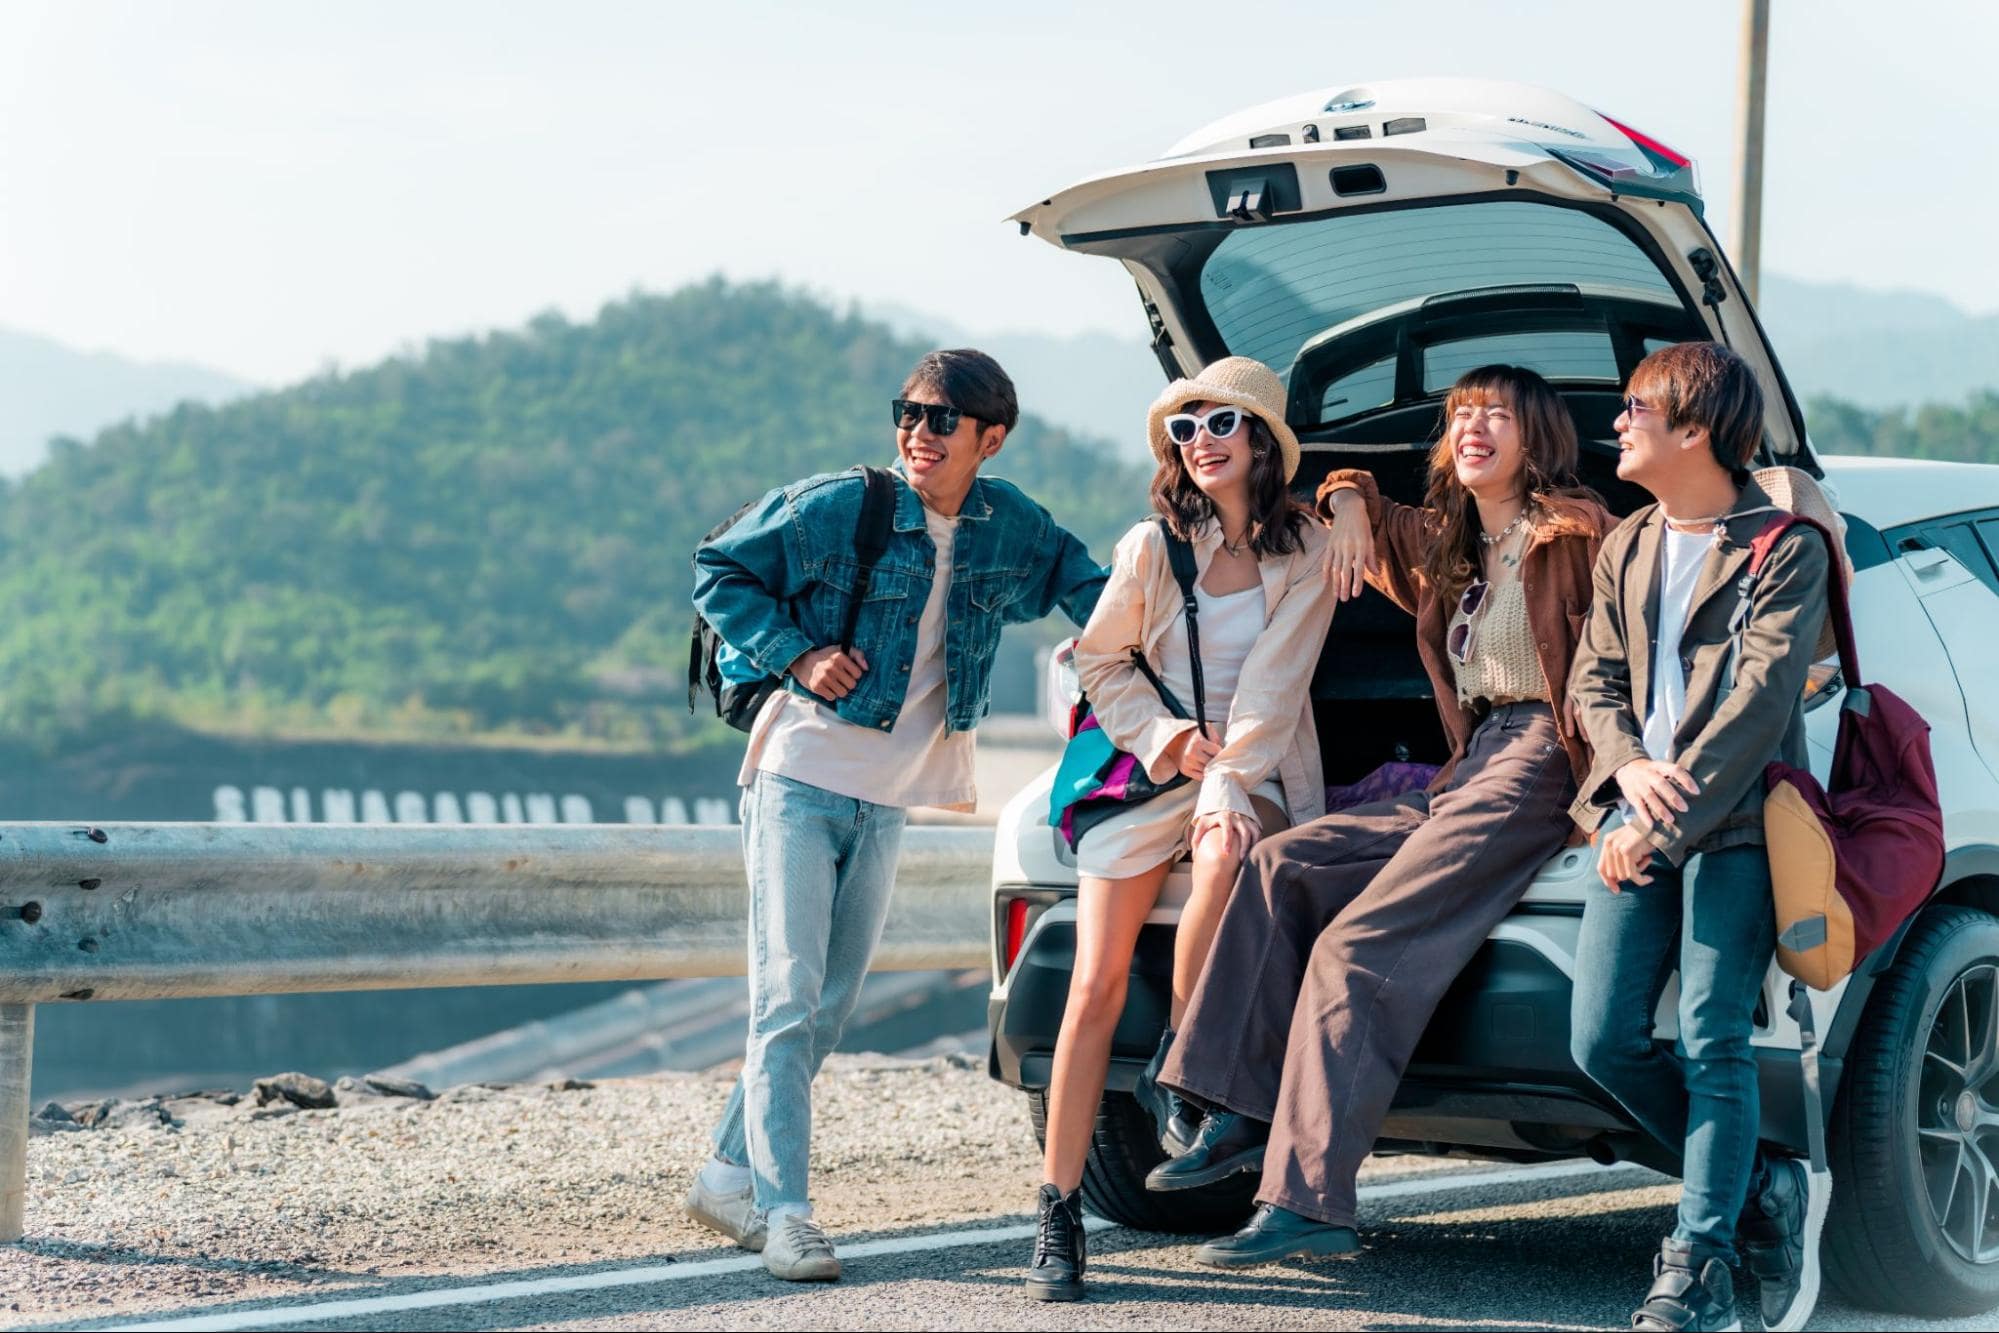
[(1798, 492), (1234, 381)]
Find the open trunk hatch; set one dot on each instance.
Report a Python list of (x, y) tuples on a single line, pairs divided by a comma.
[(1372, 243)]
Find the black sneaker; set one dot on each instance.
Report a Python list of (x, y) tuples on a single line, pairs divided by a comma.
[(1779, 1235), (1057, 1271), (1690, 1294), (1227, 1144)]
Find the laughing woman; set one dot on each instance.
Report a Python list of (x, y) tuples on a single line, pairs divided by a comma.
[(1226, 459)]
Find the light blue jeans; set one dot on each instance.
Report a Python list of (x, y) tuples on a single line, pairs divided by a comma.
[(820, 868)]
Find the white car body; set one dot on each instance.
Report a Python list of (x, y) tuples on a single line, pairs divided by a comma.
[(1437, 221)]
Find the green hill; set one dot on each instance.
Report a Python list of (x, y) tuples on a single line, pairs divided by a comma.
[(490, 538)]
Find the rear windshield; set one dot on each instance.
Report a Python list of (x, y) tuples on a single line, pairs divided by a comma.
[(1272, 290)]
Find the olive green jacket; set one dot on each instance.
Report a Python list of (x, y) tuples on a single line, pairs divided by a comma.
[(1726, 737)]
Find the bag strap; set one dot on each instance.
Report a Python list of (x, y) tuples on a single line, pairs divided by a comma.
[(1180, 554), (696, 653), (871, 538), (1808, 1056), (1173, 705), (1760, 547)]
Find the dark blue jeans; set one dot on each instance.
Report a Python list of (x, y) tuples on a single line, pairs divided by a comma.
[(1713, 921)]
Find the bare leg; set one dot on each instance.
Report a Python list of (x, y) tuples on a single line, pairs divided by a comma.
[(1214, 880), (1109, 913)]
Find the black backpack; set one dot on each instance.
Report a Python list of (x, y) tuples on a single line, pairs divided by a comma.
[(737, 702)]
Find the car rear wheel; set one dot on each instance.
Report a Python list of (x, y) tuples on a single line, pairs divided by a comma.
[(1122, 1151), (1914, 1225)]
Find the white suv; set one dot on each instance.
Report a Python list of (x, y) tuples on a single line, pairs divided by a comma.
[(1370, 244)]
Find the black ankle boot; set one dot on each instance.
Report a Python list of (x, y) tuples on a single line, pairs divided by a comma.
[(1174, 1121), (1057, 1271), (1226, 1144)]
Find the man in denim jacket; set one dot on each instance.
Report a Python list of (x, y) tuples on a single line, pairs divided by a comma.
[(853, 739)]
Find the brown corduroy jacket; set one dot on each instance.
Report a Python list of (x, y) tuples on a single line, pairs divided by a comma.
[(1554, 578)]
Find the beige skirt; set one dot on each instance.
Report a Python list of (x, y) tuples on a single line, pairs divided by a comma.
[(1151, 833)]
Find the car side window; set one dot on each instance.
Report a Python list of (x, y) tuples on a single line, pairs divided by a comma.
[(1988, 530), (1958, 537)]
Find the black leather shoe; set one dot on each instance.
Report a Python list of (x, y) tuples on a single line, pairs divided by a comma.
[(1779, 1234), (1057, 1271), (1277, 1233), (1691, 1293), (1227, 1144), (1174, 1122)]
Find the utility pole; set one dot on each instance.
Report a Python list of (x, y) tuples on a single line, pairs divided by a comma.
[(1749, 141)]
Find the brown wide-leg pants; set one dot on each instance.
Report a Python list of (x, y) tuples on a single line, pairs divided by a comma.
[(1341, 937)]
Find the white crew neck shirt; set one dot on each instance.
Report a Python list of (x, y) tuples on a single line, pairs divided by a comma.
[(1682, 557), (919, 763)]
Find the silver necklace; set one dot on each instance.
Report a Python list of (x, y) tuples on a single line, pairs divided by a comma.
[(1495, 538), (1238, 546)]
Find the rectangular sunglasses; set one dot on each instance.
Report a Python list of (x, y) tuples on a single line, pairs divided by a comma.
[(943, 420)]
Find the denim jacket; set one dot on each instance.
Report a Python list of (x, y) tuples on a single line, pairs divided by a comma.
[(777, 583)]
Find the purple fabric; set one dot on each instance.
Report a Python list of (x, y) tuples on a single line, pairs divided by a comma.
[(1385, 783)]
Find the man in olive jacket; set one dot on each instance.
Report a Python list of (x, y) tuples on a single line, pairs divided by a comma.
[(1674, 801)]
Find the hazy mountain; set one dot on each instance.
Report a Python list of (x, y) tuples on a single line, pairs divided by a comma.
[(1096, 384), (489, 535), (47, 389), (1878, 349)]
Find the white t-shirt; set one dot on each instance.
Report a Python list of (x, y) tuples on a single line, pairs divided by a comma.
[(920, 762), (1683, 555)]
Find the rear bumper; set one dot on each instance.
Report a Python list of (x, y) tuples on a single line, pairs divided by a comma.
[(1492, 1074)]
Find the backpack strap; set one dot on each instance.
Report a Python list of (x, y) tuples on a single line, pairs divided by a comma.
[(1808, 1056), (871, 538), (1760, 547), (1180, 554)]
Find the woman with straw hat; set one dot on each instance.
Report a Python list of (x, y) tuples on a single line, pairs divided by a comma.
[(1241, 657)]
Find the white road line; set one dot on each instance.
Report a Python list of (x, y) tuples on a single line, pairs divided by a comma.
[(278, 1316)]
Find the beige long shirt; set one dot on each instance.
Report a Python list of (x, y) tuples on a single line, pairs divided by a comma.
[(1270, 728)]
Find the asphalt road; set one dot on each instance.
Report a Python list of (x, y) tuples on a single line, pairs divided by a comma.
[(1478, 1247)]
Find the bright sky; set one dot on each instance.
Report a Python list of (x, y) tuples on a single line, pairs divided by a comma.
[(268, 186)]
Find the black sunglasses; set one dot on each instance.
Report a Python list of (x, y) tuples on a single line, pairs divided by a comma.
[(943, 420)]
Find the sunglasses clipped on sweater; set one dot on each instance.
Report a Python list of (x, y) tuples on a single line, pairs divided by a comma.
[(1222, 422), (943, 419), (1460, 639)]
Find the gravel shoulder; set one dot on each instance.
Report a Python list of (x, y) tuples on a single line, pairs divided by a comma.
[(240, 1202)]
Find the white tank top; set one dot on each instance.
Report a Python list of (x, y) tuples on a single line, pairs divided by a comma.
[(1229, 626)]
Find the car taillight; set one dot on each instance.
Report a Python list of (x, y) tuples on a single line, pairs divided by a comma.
[(1016, 929), (1675, 161)]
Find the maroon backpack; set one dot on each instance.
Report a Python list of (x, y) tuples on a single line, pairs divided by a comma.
[(1853, 860)]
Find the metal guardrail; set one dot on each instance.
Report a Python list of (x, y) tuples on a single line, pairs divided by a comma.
[(162, 911)]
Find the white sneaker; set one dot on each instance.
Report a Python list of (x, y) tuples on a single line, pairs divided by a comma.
[(798, 1250), (734, 1214)]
